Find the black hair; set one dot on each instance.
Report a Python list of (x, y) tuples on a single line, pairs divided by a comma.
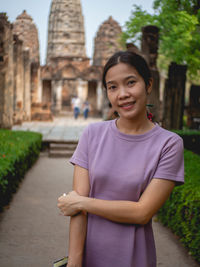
[(132, 59)]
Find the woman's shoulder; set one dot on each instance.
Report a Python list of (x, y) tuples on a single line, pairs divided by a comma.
[(169, 135)]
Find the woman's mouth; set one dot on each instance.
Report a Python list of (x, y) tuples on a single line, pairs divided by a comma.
[(127, 106)]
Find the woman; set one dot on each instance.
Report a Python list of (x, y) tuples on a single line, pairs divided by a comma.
[(125, 169)]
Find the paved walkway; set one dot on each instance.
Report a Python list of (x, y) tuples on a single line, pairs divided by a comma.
[(33, 234), (62, 128)]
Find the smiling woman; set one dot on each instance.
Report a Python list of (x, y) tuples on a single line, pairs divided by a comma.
[(125, 169), (128, 82)]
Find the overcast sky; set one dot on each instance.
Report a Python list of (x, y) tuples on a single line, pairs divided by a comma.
[(95, 13)]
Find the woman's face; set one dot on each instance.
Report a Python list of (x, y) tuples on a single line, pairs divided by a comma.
[(127, 91)]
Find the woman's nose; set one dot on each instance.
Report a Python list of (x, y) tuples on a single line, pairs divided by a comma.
[(123, 92)]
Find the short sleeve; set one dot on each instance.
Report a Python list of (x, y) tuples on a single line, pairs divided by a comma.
[(80, 156), (171, 163)]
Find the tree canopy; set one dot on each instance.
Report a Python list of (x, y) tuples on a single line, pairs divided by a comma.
[(179, 24)]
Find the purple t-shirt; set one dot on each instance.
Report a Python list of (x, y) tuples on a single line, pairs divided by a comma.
[(120, 168)]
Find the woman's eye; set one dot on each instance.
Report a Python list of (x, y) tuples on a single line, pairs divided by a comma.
[(112, 87), (131, 82)]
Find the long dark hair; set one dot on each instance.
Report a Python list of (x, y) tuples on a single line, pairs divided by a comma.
[(132, 59)]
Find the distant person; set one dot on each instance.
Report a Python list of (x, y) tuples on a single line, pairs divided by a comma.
[(86, 109), (76, 103), (124, 171)]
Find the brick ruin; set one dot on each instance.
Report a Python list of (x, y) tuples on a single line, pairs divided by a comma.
[(19, 69)]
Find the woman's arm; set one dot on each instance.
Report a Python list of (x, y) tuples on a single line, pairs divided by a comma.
[(78, 223), (156, 193)]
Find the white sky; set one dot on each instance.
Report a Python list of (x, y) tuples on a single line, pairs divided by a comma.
[(95, 13)]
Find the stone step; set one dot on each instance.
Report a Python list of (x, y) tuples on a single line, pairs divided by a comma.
[(61, 148), (70, 147), (60, 153)]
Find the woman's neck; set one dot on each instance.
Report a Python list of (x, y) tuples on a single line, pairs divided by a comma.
[(134, 126)]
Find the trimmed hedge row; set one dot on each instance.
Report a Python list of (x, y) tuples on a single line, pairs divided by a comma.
[(191, 139), (18, 151), (181, 212)]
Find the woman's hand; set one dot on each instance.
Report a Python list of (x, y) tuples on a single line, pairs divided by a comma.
[(70, 204)]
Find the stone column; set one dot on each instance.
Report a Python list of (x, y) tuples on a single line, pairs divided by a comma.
[(39, 86), (194, 108), (82, 89), (99, 96), (35, 70), (57, 86), (6, 73), (18, 80), (149, 47), (174, 97), (27, 85), (154, 97)]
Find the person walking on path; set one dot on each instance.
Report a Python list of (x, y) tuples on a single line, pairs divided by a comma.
[(76, 103), (86, 109), (125, 169)]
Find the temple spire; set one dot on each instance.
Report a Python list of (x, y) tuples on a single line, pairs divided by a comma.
[(66, 35)]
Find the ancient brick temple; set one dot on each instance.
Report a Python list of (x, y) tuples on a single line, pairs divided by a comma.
[(31, 92), (68, 71)]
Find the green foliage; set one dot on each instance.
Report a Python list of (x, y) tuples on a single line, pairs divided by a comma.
[(181, 212), (179, 24), (137, 20), (18, 151)]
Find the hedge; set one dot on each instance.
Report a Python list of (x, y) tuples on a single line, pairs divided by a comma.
[(181, 212), (191, 139), (18, 151)]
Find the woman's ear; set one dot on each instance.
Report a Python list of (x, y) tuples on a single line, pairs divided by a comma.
[(149, 86)]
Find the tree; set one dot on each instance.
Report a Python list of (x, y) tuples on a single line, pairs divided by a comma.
[(179, 23)]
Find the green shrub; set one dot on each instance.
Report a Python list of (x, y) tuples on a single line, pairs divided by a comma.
[(18, 151), (181, 212), (191, 139)]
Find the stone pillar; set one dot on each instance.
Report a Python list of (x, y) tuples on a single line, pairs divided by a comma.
[(6, 73), (92, 97), (174, 96), (57, 96), (99, 96), (149, 47), (27, 85), (18, 80), (39, 86), (154, 97), (82, 89), (194, 108), (35, 80)]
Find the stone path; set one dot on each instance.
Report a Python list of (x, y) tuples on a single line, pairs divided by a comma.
[(33, 234), (62, 128)]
